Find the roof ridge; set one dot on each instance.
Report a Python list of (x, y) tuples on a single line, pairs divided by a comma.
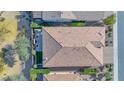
[(93, 55), (77, 47), (53, 38), (56, 42), (52, 56)]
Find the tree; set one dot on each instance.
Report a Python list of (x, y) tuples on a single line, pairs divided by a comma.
[(108, 76), (19, 77), (35, 72), (110, 20), (89, 71), (8, 55), (77, 23), (35, 25), (21, 45), (2, 19)]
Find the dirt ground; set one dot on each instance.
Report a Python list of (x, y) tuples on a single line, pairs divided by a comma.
[(11, 24)]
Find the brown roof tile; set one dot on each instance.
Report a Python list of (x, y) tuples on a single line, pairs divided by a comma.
[(81, 46)]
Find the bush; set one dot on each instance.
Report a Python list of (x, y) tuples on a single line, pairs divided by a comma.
[(34, 72), (8, 55), (108, 76), (39, 71), (22, 44), (33, 77), (35, 25), (89, 71), (110, 34), (2, 19), (109, 67), (77, 23), (19, 77), (110, 20)]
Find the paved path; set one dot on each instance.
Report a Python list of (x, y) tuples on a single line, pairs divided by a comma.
[(115, 51), (26, 71), (24, 22)]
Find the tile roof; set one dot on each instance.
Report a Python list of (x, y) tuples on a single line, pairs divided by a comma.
[(62, 77), (89, 15), (80, 46), (75, 15)]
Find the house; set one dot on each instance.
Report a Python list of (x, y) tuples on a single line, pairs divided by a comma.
[(62, 77), (59, 16), (68, 49), (73, 46), (37, 14)]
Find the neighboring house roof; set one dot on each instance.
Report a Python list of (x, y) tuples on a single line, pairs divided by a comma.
[(73, 46), (74, 15), (62, 77), (51, 15), (37, 14), (88, 15)]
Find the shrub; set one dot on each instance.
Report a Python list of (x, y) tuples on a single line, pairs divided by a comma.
[(39, 71), (8, 55), (110, 34), (21, 45), (34, 72), (2, 19), (109, 67), (110, 20), (19, 77), (77, 23), (89, 71), (35, 25), (108, 76), (33, 77)]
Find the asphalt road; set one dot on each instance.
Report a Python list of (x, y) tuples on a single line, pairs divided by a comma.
[(120, 45)]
